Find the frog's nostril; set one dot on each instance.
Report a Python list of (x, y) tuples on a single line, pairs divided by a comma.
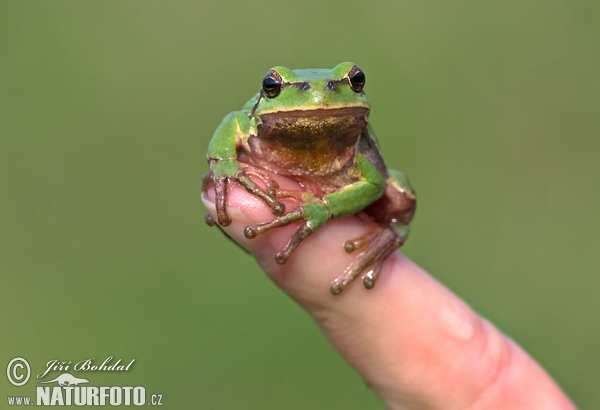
[(331, 85), (301, 85)]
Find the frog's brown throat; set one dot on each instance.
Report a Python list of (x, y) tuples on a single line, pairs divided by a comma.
[(308, 142)]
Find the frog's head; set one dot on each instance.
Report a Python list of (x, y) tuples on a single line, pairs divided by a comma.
[(285, 90), (307, 100)]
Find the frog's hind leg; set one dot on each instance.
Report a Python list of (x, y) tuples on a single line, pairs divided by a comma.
[(375, 247)]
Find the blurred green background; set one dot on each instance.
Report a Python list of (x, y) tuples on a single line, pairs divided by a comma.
[(106, 109)]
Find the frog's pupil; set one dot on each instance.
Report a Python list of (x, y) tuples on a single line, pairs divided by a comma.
[(271, 86)]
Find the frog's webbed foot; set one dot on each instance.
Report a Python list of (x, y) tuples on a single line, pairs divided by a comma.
[(251, 231), (221, 184), (375, 247)]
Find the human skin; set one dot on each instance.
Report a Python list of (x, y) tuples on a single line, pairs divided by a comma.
[(415, 343)]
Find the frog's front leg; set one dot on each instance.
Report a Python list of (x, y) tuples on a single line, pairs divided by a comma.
[(225, 168), (315, 212)]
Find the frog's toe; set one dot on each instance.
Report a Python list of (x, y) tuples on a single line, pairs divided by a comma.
[(369, 277), (372, 274), (278, 208), (300, 235), (251, 231), (354, 244), (221, 201), (369, 262)]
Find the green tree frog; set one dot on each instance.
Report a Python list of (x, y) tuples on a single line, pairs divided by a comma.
[(311, 125)]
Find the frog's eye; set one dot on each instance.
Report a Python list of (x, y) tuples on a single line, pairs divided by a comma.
[(357, 79), (271, 84)]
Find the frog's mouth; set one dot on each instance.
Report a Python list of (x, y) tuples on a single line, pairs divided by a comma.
[(318, 141)]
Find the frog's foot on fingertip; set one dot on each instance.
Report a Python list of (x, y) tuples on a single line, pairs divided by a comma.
[(377, 247), (221, 200), (251, 231), (268, 196), (221, 187)]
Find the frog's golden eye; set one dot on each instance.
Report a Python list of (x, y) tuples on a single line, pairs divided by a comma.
[(357, 79), (271, 84)]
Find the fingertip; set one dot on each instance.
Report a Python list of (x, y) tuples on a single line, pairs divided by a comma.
[(409, 336)]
